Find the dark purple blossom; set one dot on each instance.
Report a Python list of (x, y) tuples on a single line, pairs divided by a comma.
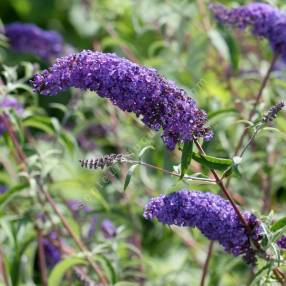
[(266, 21), (3, 189), (213, 215), (108, 229), (52, 252), (76, 206), (28, 38), (282, 242), (133, 88)]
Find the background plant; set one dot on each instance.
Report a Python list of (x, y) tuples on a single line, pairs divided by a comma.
[(49, 200)]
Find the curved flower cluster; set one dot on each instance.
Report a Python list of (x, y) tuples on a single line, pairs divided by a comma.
[(213, 215), (28, 38), (133, 88), (265, 21)]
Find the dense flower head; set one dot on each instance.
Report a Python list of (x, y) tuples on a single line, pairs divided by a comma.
[(266, 21), (282, 242), (29, 38), (213, 215), (133, 88)]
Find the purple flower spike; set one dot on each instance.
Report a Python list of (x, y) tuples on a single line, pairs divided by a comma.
[(282, 242), (266, 21), (133, 88), (108, 229), (28, 38), (211, 214)]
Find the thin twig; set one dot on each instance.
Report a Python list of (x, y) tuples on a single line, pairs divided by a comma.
[(186, 177), (203, 11), (206, 265), (257, 100), (42, 258), (3, 269)]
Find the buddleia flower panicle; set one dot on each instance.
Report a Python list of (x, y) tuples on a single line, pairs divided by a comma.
[(29, 38), (159, 103), (105, 161), (264, 20), (211, 214), (272, 112), (282, 242)]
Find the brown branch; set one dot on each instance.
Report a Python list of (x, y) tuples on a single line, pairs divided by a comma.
[(3, 269), (42, 258), (206, 265), (257, 100)]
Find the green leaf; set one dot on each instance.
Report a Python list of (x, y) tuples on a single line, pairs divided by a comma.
[(214, 114), (59, 270), (40, 122), (129, 175), (219, 43), (142, 152), (279, 224), (233, 50), (212, 162), (4, 198), (186, 157), (107, 268), (125, 283)]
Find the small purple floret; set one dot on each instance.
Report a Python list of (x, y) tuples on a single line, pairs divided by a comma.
[(266, 21), (3, 189), (28, 38), (211, 214), (282, 242), (133, 88), (52, 253), (108, 229)]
